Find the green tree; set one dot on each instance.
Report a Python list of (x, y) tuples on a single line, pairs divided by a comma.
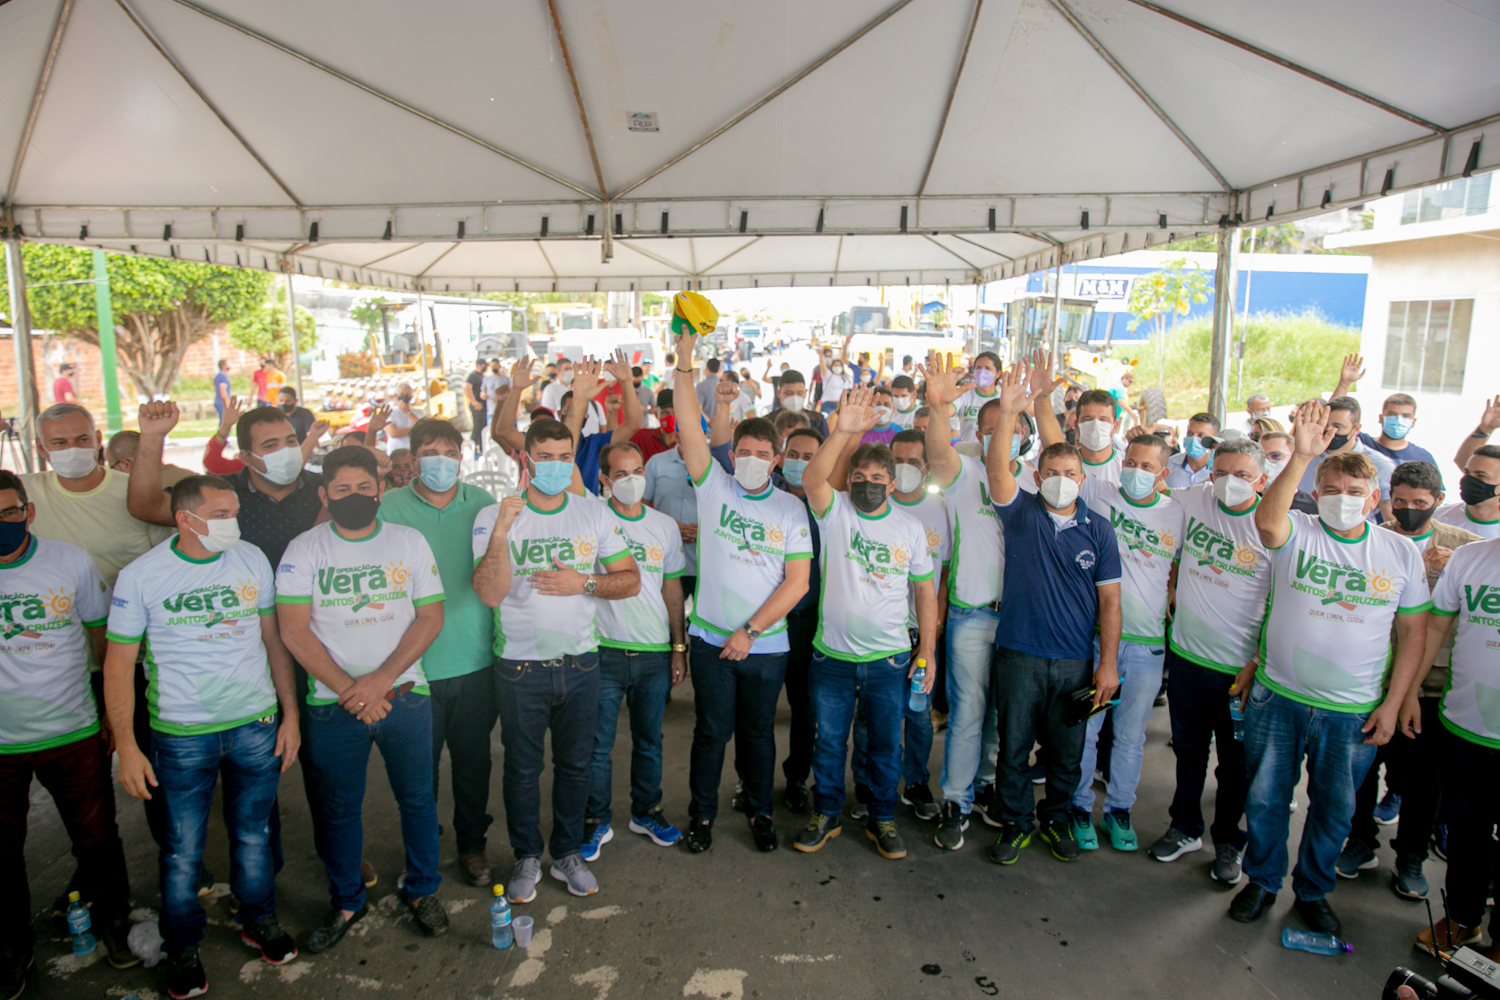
[(161, 307), (1164, 295), (263, 330)]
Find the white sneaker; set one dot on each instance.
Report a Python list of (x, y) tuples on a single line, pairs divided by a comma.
[(574, 871)]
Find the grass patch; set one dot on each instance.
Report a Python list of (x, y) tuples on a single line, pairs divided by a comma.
[(195, 428), (203, 388), (1289, 357)]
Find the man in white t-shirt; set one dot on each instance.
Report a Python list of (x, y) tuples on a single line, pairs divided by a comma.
[(544, 560), (754, 551), (1098, 422), (360, 600), (903, 401), (204, 603), (1223, 576), (1338, 585), (872, 552), (1479, 490)]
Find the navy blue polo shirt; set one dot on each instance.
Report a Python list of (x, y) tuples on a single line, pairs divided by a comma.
[(1049, 606)]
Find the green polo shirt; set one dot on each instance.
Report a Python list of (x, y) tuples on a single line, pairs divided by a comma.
[(463, 646)]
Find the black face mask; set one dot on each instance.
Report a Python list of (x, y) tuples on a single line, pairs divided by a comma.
[(405, 397), (288, 407), (1339, 440), (867, 496), (1412, 519), (1475, 491), (353, 512)]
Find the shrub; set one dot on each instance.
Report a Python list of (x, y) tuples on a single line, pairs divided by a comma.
[(355, 364)]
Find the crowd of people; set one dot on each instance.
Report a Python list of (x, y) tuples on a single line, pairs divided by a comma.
[(967, 546)]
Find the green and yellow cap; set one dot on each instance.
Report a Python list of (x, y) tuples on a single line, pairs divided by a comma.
[(692, 313)]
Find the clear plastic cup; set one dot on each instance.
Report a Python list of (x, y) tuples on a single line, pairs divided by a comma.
[(522, 926)]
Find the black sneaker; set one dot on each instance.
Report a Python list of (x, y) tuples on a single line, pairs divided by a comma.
[(1060, 841), (985, 805), (334, 929), (919, 797), (185, 975), (429, 913), (699, 836), (818, 831), (763, 833), (950, 831), (14, 964), (887, 838), (797, 800), (1013, 840), (276, 945), (116, 938)]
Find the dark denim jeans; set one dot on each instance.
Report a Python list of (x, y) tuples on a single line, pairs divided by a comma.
[(1279, 732), (733, 698), (187, 769), (878, 688), (917, 735), (534, 696), (1410, 766), (77, 776), (641, 680), (1471, 804), (340, 748), (1198, 702), (463, 716), (801, 626), (1031, 696)]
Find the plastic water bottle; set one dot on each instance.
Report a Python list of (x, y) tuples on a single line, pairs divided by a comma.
[(918, 699), (79, 923), (1237, 717), (1318, 944), (502, 935)]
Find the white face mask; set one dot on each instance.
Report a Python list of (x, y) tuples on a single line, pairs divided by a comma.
[(882, 415), (793, 404), (1232, 490), (1095, 434), (628, 489), (222, 534), (1341, 511), (751, 472), (566, 378), (283, 466), (905, 403), (1273, 469), (1059, 491), (73, 463), (837, 368), (908, 478)]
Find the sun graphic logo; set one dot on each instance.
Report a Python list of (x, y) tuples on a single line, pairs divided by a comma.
[(585, 547), (775, 535), (654, 553), (398, 573), (1168, 540), (1380, 582), (899, 555), (1245, 557), (247, 591), (934, 540), (59, 602)]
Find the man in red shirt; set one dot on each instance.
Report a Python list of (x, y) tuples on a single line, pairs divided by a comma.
[(62, 389)]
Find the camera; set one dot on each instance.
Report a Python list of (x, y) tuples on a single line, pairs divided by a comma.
[(1466, 974)]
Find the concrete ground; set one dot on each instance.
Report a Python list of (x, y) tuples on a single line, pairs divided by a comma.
[(734, 923)]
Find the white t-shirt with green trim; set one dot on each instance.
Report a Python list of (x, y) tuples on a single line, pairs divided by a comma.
[(206, 666), (1223, 578), (47, 598), (1327, 639), (932, 512), (1470, 589), (1457, 514), (967, 407), (364, 594), (744, 544), (976, 573), (869, 562), (581, 534), (640, 622), (1109, 469), (1149, 537)]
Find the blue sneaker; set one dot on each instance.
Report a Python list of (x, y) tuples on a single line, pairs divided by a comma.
[(1388, 809), (655, 826), (1083, 830), (1116, 823), (600, 835)]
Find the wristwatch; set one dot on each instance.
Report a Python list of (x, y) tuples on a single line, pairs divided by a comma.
[(590, 584), (753, 633), (679, 647)]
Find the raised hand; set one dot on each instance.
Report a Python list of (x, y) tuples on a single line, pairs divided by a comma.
[(725, 393), (378, 417), (585, 381), (941, 376), (1014, 384), (687, 344), (1042, 379), (158, 417), (620, 367), (315, 432), (520, 374), (857, 411), (232, 411), (1311, 430), (1352, 370), (1491, 419)]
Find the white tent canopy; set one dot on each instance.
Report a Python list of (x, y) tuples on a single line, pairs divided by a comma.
[(483, 146)]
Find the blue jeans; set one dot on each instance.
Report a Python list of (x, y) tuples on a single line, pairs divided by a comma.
[(340, 751), (1279, 732), (187, 769), (916, 743), (973, 735), (641, 680), (735, 698), (534, 696), (879, 687), (1140, 682)]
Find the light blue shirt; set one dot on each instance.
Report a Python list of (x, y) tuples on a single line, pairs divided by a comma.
[(1180, 476), (669, 491)]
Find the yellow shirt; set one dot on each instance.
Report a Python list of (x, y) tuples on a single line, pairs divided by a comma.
[(97, 521)]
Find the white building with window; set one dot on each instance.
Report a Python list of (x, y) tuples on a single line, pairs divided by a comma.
[(1432, 310)]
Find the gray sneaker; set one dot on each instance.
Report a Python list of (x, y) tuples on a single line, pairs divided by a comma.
[(1227, 864), (1174, 844), (523, 879), (572, 869)]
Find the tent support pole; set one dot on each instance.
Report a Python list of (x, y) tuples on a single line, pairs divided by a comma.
[(108, 355), (291, 326), (20, 321), (1225, 276), (422, 350)]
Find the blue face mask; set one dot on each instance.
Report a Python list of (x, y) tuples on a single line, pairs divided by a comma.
[(1194, 447), (1395, 426), (792, 469), (1015, 448), (552, 477), (12, 535), (439, 472), (1138, 484)]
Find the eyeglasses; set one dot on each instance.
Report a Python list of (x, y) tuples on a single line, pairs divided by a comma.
[(13, 513)]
